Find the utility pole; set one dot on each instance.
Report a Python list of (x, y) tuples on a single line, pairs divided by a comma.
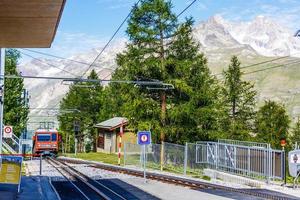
[(163, 122), (26, 103), (120, 142), (2, 69), (76, 135)]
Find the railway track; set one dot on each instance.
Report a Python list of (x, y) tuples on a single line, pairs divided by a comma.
[(86, 186), (197, 185)]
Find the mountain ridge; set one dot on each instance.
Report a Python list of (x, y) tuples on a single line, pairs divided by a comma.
[(251, 41)]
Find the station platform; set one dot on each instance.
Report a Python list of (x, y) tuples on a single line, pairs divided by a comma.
[(8, 191), (38, 187), (33, 187)]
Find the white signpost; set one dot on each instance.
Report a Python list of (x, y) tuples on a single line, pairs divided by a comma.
[(144, 138), (8, 132)]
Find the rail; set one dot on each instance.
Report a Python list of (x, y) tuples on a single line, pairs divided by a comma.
[(195, 184), (103, 191)]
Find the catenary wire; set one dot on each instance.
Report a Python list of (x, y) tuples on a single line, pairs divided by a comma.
[(109, 41), (55, 56), (41, 61), (273, 67)]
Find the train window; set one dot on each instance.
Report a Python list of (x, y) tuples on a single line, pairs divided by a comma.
[(54, 137), (43, 137)]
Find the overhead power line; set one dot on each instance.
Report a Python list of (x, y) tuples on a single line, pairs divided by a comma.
[(273, 67), (269, 68), (55, 56), (83, 80), (111, 38), (259, 63), (41, 61), (186, 8)]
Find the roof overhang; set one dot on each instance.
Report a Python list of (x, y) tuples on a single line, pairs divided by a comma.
[(29, 23), (112, 123)]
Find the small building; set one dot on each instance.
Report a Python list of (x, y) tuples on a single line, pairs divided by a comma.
[(109, 133)]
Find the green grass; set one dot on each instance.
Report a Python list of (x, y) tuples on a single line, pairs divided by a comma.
[(97, 156)]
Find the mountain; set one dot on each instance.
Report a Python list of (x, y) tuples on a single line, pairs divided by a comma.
[(263, 35), (256, 41)]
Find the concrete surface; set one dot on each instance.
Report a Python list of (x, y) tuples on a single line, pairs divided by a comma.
[(37, 188), (8, 191)]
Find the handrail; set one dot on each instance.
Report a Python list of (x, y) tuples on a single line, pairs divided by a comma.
[(8, 147), (16, 138), (15, 146)]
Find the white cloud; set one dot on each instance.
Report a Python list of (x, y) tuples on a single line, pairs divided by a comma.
[(116, 4), (71, 43), (201, 6)]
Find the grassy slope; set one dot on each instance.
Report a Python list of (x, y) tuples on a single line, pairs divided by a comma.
[(100, 157), (281, 84)]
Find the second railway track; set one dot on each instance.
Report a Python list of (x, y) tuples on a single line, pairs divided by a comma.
[(86, 186), (198, 185)]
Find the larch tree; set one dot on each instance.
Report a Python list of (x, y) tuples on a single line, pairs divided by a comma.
[(161, 49), (198, 110), (149, 27)]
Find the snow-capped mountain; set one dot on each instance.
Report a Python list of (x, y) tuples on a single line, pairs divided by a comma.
[(220, 39), (264, 35)]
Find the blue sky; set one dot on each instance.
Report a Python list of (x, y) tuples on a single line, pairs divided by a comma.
[(86, 24)]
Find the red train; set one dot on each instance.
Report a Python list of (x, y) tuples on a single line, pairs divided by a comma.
[(46, 142)]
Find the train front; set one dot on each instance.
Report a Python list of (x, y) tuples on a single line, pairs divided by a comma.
[(45, 142)]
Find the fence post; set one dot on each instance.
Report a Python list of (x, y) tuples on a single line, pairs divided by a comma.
[(185, 158), (248, 161), (284, 167), (269, 163), (124, 153), (217, 155), (162, 156)]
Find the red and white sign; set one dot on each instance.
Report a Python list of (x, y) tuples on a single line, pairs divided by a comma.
[(144, 138), (8, 131)]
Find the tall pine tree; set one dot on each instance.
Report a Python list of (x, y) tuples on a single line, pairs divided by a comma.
[(15, 109), (161, 49), (239, 98)]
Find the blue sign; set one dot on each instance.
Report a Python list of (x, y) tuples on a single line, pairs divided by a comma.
[(144, 137)]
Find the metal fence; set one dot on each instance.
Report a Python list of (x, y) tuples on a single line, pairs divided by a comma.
[(169, 157), (255, 160)]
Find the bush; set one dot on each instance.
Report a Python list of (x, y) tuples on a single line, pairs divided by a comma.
[(88, 147)]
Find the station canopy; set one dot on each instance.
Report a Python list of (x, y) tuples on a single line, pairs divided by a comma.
[(29, 23), (113, 123)]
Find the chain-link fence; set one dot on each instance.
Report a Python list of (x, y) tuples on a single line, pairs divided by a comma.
[(166, 156), (255, 160)]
